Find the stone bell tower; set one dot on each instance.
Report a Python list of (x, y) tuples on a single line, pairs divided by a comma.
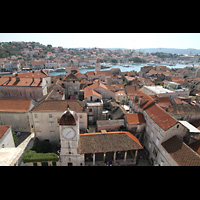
[(97, 65), (69, 139)]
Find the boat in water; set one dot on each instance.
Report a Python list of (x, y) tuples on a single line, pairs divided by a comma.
[(61, 69), (172, 64), (5, 73), (126, 66)]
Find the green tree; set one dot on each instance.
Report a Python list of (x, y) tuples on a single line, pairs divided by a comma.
[(114, 61), (15, 138)]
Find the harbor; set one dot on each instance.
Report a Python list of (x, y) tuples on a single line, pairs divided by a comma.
[(122, 67)]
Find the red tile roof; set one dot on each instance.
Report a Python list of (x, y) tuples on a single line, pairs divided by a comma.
[(182, 154), (120, 93), (17, 81), (161, 117), (32, 74), (103, 73), (3, 80), (163, 102), (108, 142), (131, 89), (90, 90), (142, 100), (178, 80), (90, 73), (3, 129), (79, 74), (15, 105), (70, 77), (135, 118), (59, 106), (196, 146)]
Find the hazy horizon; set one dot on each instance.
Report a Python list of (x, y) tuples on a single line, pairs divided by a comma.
[(109, 40)]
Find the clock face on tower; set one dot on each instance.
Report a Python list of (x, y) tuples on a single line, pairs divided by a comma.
[(68, 133)]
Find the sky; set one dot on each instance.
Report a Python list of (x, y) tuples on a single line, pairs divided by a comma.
[(109, 40)]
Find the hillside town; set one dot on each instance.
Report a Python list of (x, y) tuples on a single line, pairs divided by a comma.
[(24, 56), (99, 118)]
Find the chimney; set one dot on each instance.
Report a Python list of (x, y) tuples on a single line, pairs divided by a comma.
[(17, 78)]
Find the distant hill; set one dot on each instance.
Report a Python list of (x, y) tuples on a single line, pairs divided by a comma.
[(170, 50), (8, 49)]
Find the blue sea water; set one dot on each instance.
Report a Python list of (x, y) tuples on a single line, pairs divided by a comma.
[(136, 67)]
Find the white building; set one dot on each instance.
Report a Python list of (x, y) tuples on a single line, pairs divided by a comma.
[(166, 91), (47, 114), (9, 155), (6, 138), (160, 127), (16, 113), (51, 65)]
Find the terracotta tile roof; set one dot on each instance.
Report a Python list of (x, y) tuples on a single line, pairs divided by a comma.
[(38, 63), (178, 101), (3, 80), (108, 142), (70, 77), (135, 118), (89, 92), (90, 73), (129, 78), (118, 86), (161, 117), (15, 105), (103, 73), (59, 106), (11, 81), (23, 82), (120, 93), (102, 85), (143, 100), (183, 109), (111, 88), (3, 129), (32, 74), (182, 154), (178, 80), (36, 82), (196, 146), (79, 74), (17, 81), (163, 102), (131, 89)]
